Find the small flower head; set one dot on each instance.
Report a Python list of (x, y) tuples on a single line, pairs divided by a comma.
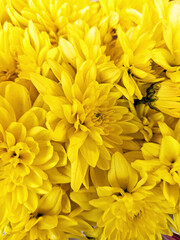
[(164, 97), (47, 222), (127, 208), (161, 162), (26, 150)]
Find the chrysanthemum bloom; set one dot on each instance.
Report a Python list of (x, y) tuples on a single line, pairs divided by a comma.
[(85, 43), (52, 16), (140, 16), (127, 13), (26, 150), (131, 49), (13, 63), (49, 221), (84, 114), (161, 161), (134, 60), (24, 51), (161, 103), (164, 97), (127, 208)]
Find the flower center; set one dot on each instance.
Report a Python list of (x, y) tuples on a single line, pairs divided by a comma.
[(15, 162), (98, 116), (137, 215)]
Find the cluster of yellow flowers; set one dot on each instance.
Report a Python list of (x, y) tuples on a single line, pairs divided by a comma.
[(89, 119)]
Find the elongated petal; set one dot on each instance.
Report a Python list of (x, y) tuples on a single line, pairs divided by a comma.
[(68, 51), (90, 152), (171, 192), (32, 202), (78, 172), (121, 174), (48, 222), (170, 149), (18, 97), (44, 85)]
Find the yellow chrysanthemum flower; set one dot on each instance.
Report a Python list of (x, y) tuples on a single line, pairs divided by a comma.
[(24, 51), (85, 115), (152, 109), (26, 150), (134, 60), (52, 16), (127, 13), (164, 96), (12, 64), (48, 221), (85, 43), (132, 48), (126, 209), (161, 162)]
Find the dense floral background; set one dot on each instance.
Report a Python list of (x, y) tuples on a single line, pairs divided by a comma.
[(89, 119)]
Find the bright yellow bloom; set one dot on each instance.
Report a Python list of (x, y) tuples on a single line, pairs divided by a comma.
[(25, 51), (161, 162), (124, 217), (126, 13), (160, 104), (165, 97), (133, 56), (48, 221), (84, 114), (126, 209), (16, 61), (26, 150), (50, 15), (84, 44), (129, 32)]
